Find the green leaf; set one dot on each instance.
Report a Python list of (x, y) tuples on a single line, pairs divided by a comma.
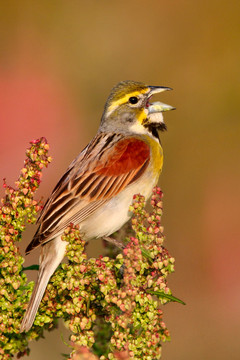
[(162, 294), (65, 356), (31, 267), (147, 255)]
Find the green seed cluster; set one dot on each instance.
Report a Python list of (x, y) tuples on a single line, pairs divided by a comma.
[(137, 324), (17, 208), (113, 299)]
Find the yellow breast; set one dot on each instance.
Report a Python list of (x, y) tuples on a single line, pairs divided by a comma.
[(156, 155)]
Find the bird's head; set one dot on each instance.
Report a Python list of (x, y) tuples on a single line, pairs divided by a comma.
[(128, 108)]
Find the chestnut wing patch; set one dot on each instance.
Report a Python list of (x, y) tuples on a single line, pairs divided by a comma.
[(128, 155), (111, 171)]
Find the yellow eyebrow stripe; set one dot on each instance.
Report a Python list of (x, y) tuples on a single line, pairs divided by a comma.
[(125, 98)]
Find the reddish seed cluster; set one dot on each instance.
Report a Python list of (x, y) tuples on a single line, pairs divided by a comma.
[(18, 207), (122, 288)]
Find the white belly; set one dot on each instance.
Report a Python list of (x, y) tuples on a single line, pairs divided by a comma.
[(115, 213)]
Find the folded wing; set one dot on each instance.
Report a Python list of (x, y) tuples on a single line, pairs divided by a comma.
[(108, 165)]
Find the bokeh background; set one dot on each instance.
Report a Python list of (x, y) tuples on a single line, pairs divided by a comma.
[(58, 62)]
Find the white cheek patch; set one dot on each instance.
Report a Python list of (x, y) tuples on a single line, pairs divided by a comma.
[(156, 117)]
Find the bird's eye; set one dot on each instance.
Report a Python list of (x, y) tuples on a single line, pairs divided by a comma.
[(133, 100)]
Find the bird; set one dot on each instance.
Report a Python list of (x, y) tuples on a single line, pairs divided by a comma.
[(124, 158)]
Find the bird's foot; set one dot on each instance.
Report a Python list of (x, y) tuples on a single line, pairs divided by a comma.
[(114, 242)]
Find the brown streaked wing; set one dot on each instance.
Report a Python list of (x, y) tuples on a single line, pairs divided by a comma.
[(107, 166), (61, 188)]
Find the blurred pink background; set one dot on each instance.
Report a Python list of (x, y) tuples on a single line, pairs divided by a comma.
[(58, 62)]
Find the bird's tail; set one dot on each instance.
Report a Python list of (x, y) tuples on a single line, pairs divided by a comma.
[(52, 254)]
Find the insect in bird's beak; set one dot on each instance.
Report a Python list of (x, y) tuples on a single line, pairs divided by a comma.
[(156, 109)]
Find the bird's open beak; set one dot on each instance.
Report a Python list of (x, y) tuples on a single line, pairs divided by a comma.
[(158, 89), (156, 109)]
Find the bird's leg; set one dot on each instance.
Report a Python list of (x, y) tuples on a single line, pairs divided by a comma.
[(114, 242)]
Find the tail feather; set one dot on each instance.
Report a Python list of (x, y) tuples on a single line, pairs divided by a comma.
[(51, 255), (35, 300)]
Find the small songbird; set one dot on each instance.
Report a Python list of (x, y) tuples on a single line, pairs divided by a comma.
[(124, 158)]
